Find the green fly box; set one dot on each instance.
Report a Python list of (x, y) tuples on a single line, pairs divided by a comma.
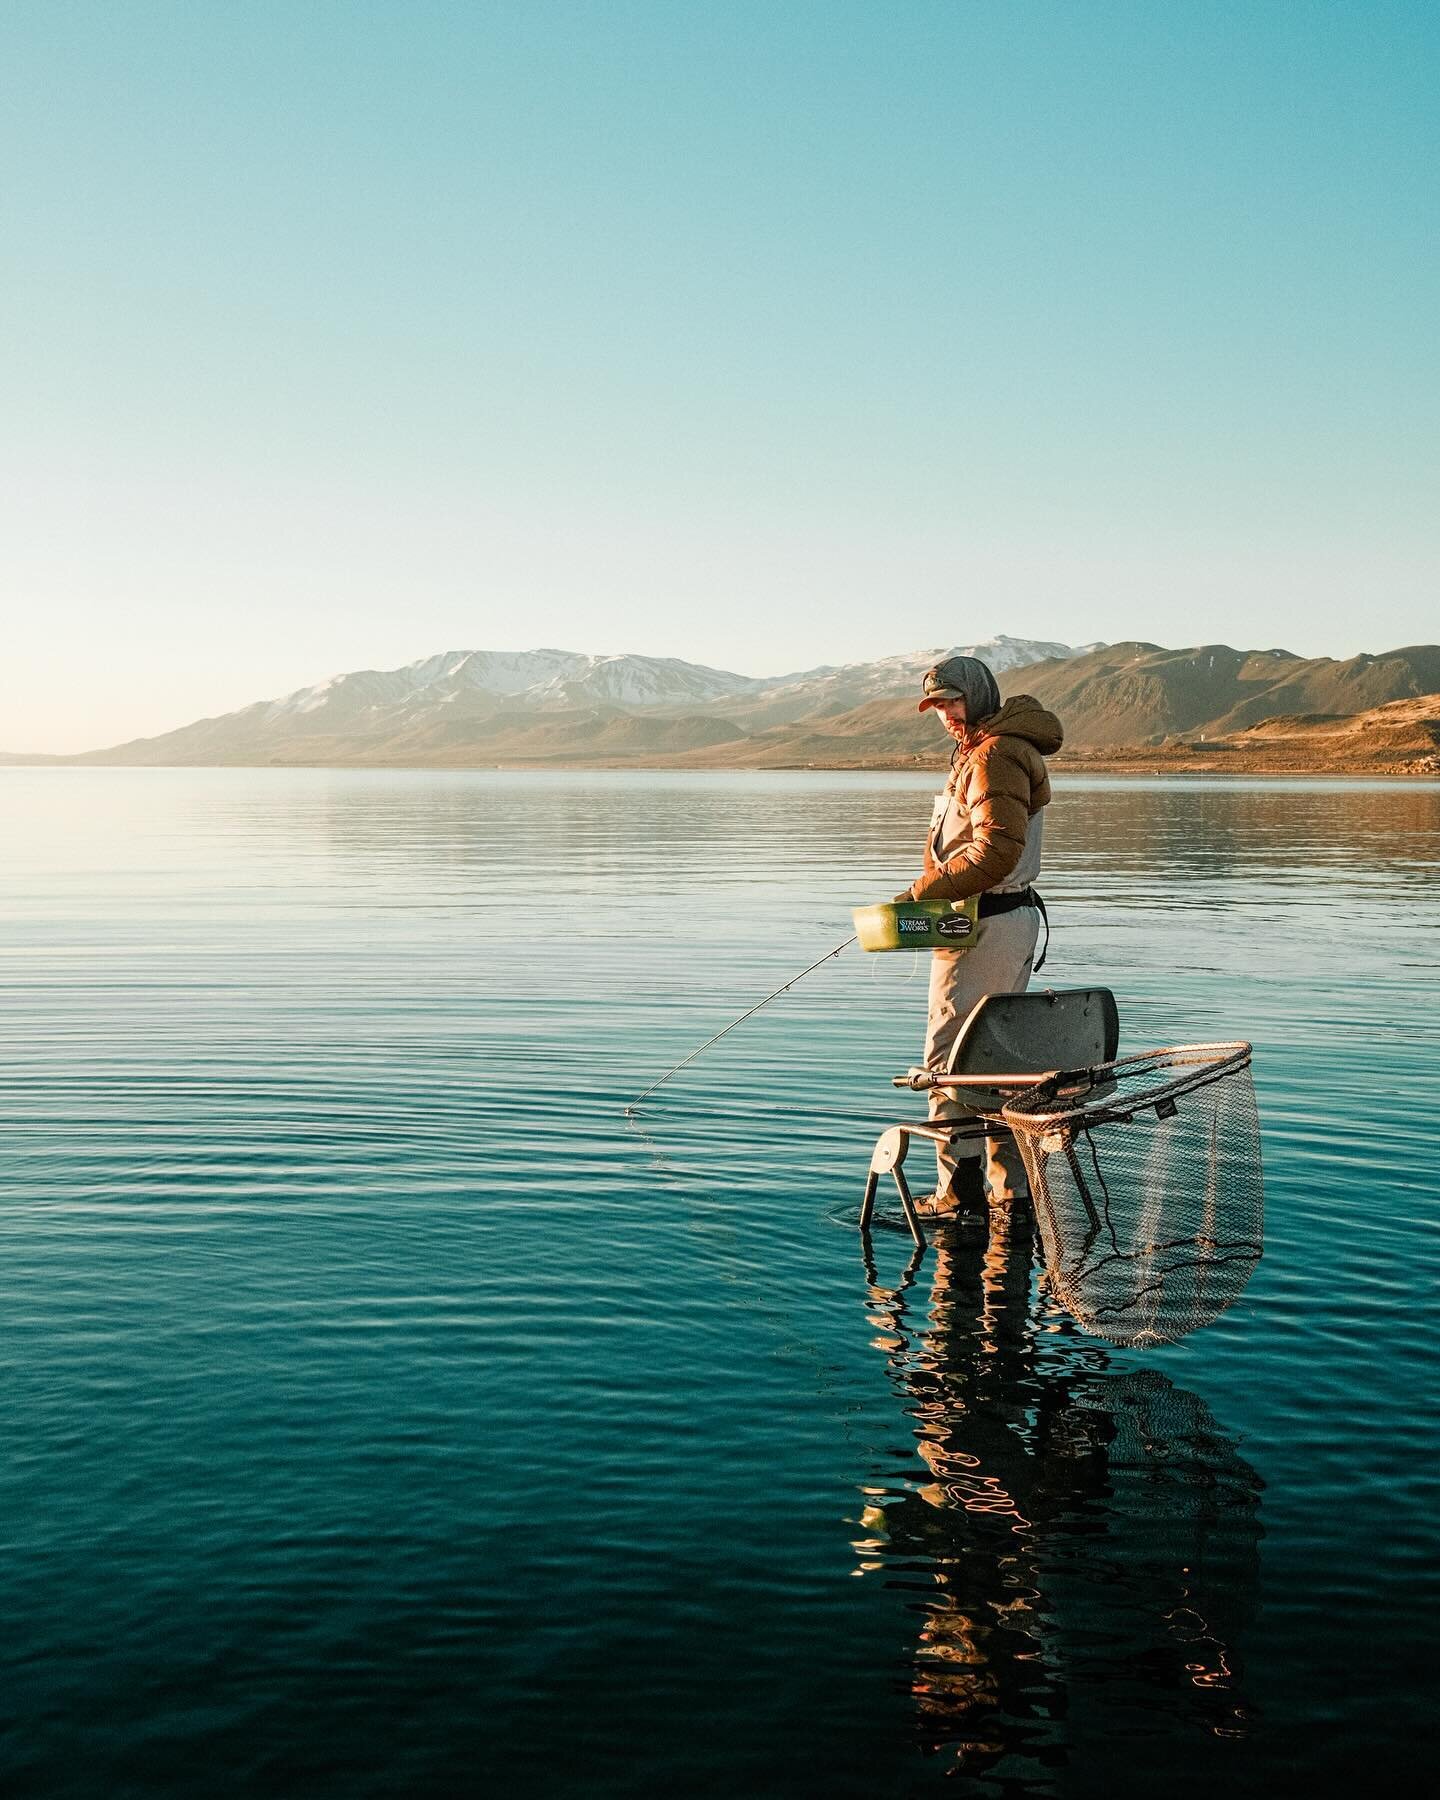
[(918, 924)]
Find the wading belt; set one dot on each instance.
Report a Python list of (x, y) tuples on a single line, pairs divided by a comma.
[(993, 904)]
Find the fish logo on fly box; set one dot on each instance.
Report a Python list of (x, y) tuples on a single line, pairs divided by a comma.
[(961, 926)]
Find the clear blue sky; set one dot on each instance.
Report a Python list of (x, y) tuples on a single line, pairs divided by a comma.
[(760, 334)]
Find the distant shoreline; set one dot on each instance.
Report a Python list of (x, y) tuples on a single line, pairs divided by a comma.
[(1138, 763)]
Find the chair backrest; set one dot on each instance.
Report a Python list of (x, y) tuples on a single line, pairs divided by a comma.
[(1023, 1034)]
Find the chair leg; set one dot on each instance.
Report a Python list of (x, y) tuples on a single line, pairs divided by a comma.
[(889, 1155), (912, 1218)]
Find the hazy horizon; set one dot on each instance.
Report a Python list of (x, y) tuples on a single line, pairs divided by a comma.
[(760, 337)]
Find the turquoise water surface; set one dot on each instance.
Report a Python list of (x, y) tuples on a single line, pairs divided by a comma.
[(386, 1416)]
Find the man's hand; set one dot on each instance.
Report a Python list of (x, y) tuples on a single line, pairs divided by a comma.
[(905, 899)]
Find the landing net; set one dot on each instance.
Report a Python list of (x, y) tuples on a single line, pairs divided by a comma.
[(1148, 1189)]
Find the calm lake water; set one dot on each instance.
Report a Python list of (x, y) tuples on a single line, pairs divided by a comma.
[(384, 1416)]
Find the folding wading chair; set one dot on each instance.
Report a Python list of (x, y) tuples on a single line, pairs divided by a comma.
[(1010, 1042)]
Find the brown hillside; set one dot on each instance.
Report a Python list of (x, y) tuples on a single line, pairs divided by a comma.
[(1407, 730), (1138, 694), (1401, 738)]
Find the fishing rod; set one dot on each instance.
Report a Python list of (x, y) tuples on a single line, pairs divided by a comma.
[(634, 1105)]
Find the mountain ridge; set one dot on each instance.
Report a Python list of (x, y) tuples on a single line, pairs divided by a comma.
[(1123, 705), (430, 705)]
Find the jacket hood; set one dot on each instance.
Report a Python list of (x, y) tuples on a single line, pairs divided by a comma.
[(1023, 716), (963, 678)]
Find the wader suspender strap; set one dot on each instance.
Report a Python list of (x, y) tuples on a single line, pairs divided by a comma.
[(1040, 964), (938, 824)]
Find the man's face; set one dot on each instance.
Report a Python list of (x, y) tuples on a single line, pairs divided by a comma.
[(951, 714)]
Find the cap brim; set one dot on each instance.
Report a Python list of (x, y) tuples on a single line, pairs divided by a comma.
[(934, 700)]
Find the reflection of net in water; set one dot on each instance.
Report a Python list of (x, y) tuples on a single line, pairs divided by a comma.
[(1166, 1595), (1148, 1189)]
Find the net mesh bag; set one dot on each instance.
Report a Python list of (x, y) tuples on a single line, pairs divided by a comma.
[(1147, 1186)]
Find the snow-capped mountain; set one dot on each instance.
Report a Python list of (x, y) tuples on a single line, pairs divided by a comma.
[(431, 707), (853, 683), (569, 678), (535, 677), (641, 681)]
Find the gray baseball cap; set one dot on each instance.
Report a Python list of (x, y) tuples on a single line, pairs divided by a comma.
[(963, 678)]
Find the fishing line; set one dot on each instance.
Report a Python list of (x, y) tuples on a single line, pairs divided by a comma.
[(755, 1297), (639, 1099)]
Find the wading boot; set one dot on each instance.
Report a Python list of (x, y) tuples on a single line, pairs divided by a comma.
[(964, 1198)]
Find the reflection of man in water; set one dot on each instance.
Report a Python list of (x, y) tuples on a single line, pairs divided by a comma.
[(1090, 1538)]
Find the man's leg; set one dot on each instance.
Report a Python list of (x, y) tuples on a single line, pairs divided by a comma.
[(957, 1172), (998, 962), (1005, 1175)]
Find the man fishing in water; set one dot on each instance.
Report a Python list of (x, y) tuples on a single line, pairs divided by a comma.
[(984, 839)]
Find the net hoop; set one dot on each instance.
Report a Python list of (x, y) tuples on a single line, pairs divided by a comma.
[(1036, 1111)]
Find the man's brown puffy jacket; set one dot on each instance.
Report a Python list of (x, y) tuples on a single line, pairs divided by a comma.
[(1000, 782)]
